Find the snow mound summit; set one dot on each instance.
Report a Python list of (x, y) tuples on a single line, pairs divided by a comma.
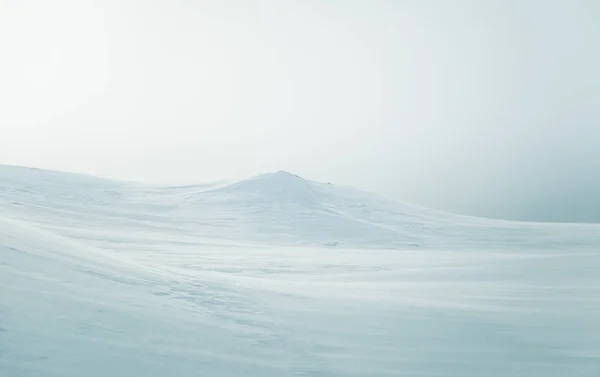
[(280, 186), (281, 179)]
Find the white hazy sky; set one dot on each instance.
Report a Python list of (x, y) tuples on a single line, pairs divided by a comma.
[(482, 107)]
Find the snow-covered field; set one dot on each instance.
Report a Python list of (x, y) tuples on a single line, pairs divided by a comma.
[(279, 276)]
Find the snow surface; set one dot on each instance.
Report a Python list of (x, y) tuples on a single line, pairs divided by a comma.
[(279, 276)]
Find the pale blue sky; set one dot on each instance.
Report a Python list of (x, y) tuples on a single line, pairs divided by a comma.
[(483, 107)]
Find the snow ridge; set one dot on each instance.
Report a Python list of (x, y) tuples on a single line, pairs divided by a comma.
[(280, 276)]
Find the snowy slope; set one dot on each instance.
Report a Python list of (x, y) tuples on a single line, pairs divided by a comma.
[(277, 208), (279, 276)]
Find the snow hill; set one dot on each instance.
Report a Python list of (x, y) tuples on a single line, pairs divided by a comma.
[(276, 208), (276, 275)]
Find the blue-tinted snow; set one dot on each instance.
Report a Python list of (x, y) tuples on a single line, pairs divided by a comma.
[(280, 276)]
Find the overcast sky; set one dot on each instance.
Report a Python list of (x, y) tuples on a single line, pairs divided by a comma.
[(481, 107)]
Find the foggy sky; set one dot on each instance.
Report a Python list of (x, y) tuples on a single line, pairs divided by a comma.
[(489, 108)]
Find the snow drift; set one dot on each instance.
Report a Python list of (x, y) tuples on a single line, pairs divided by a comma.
[(280, 276)]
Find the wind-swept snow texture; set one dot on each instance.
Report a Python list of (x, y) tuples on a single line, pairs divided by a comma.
[(280, 276)]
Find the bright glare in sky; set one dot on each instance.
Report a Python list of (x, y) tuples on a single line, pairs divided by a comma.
[(402, 97)]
